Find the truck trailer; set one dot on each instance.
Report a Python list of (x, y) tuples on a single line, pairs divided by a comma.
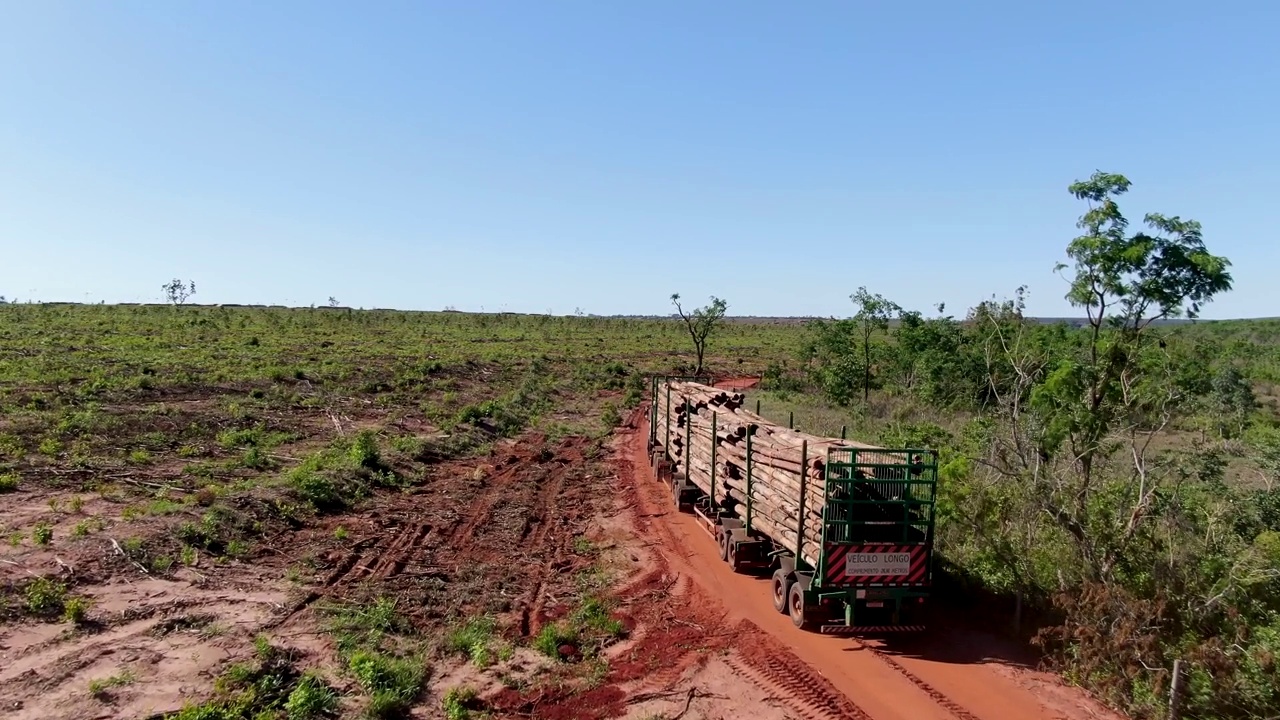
[(844, 529)]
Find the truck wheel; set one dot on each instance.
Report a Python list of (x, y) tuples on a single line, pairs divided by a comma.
[(781, 589), (723, 537), (799, 611)]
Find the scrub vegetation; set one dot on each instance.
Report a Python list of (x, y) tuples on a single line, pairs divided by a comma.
[(411, 487)]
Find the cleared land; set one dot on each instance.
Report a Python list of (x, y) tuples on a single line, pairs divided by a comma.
[(328, 513)]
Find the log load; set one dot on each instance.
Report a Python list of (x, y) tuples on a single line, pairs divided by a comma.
[(684, 416)]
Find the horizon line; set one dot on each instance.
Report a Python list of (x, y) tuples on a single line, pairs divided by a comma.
[(620, 316)]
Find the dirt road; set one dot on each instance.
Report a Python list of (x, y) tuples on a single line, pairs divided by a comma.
[(952, 675)]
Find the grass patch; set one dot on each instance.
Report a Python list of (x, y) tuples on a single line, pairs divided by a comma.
[(392, 683), (268, 686), (101, 688), (380, 652), (8, 483), (590, 626), (459, 703), (42, 534), (338, 477), (475, 639)]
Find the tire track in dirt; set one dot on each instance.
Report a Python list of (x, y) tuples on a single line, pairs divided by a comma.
[(536, 533), (500, 522), (792, 683), (953, 707), (348, 562), (407, 543)]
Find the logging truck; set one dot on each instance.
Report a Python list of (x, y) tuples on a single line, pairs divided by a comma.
[(844, 529)]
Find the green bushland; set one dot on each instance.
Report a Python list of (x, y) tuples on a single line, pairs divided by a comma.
[(1120, 473)]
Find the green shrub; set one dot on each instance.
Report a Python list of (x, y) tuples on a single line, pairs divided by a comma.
[(392, 683), (45, 597), (311, 698), (42, 534), (364, 450), (75, 610)]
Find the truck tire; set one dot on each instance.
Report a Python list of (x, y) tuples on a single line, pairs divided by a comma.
[(734, 561), (781, 587), (799, 611)]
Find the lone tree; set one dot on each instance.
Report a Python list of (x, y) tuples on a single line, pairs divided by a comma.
[(177, 292), (874, 312), (701, 323), (1081, 423)]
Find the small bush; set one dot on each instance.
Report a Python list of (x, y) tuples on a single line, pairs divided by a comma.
[(254, 459), (392, 683), (320, 491), (610, 417), (311, 698), (364, 450), (457, 703), (75, 610), (473, 639), (8, 482), (45, 597), (42, 534), (554, 635)]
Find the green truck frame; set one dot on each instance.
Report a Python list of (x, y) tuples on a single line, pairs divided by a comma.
[(875, 566)]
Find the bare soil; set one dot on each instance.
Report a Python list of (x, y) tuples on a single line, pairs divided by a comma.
[(502, 536)]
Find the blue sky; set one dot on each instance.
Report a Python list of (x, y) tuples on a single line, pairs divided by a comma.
[(534, 156)]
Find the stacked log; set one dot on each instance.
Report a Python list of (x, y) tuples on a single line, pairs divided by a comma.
[(781, 464)]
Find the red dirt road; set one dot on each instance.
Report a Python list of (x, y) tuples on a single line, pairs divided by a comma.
[(943, 675)]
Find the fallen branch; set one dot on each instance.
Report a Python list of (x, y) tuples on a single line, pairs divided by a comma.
[(143, 483), (646, 697), (693, 691), (120, 551)]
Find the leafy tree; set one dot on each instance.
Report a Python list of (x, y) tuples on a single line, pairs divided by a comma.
[(836, 363), (701, 323), (1070, 412), (177, 292), (933, 359), (874, 313), (1231, 399), (1149, 555)]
